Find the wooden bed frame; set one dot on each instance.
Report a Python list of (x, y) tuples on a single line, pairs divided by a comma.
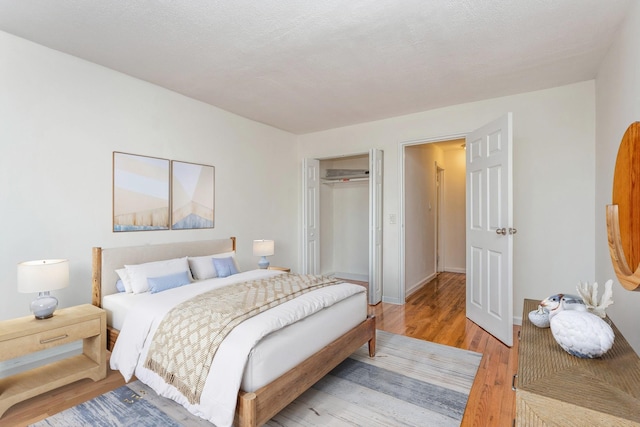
[(254, 408)]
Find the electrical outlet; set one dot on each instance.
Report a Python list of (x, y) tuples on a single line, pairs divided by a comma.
[(392, 218)]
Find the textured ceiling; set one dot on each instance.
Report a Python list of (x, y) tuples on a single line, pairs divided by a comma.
[(304, 66)]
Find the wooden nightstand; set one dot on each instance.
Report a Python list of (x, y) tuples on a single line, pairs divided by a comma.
[(285, 269), (26, 335)]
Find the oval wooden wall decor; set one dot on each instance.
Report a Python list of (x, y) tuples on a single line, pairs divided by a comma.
[(623, 215)]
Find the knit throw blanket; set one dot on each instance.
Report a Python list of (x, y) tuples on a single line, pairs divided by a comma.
[(188, 337)]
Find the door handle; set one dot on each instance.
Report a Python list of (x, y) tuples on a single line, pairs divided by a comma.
[(503, 231)]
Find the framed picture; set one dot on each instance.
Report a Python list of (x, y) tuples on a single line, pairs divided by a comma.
[(192, 196), (140, 193)]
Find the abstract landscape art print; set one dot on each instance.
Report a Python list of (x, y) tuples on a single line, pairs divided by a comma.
[(140, 193), (192, 197)]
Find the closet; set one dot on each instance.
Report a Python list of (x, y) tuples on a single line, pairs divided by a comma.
[(342, 234)]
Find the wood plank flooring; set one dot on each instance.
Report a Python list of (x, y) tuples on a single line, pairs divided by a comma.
[(435, 313)]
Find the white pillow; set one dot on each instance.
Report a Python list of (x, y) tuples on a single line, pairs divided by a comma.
[(122, 273), (202, 266), (138, 274)]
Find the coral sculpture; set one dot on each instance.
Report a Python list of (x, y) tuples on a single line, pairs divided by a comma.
[(589, 294)]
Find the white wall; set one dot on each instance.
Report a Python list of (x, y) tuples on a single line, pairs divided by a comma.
[(420, 214), (351, 230), (344, 221), (454, 211), (61, 119), (617, 106), (554, 160)]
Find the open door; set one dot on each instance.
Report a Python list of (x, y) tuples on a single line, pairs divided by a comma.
[(311, 216), (311, 221), (375, 226), (490, 228)]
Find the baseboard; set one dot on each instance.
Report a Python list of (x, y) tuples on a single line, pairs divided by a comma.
[(393, 301), (415, 287), (455, 270)]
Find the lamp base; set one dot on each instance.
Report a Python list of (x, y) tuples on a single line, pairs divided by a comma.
[(264, 262), (44, 306)]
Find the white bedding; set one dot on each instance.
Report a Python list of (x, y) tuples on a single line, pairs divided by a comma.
[(119, 305), (219, 397)]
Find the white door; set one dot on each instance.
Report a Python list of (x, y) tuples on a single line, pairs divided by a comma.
[(375, 226), (490, 228), (311, 216)]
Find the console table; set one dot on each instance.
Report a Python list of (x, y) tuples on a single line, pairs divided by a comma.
[(554, 388)]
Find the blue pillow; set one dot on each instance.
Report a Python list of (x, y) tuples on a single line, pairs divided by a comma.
[(162, 283), (225, 266), (120, 286)]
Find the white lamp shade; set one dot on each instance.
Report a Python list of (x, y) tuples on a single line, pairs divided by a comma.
[(43, 275), (263, 247)]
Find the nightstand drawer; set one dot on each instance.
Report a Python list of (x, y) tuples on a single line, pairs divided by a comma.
[(50, 338)]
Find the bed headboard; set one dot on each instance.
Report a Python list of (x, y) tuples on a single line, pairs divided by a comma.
[(107, 260)]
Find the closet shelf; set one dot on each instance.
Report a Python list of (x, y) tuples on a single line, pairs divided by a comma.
[(333, 181)]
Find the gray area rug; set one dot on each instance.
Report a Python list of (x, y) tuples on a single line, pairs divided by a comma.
[(410, 382)]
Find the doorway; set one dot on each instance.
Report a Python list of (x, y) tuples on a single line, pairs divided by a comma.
[(488, 230), (434, 210)]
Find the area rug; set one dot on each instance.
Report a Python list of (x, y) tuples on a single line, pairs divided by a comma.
[(410, 382)]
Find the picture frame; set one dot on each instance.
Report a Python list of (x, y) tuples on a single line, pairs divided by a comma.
[(192, 196), (141, 193)]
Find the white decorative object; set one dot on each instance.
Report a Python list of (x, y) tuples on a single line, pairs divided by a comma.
[(571, 302), (539, 317), (589, 294), (579, 333)]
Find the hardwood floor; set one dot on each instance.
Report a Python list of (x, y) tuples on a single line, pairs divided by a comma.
[(47, 404), (435, 313)]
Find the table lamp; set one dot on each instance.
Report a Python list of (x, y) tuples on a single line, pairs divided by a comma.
[(43, 276), (263, 249)]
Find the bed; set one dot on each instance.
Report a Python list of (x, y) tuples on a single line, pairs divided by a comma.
[(280, 367)]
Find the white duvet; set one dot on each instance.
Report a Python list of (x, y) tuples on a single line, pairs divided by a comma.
[(218, 400)]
